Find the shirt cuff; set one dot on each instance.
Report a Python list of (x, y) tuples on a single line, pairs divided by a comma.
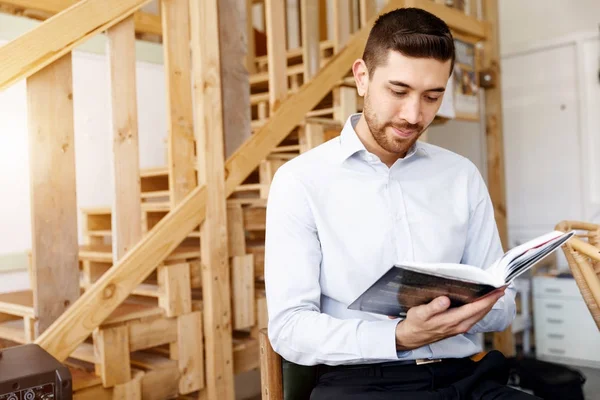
[(377, 339)]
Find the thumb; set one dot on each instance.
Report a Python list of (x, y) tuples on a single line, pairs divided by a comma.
[(435, 306)]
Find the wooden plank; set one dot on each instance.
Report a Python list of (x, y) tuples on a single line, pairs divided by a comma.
[(503, 341), (266, 172), (160, 384), (190, 352), (215, 272), (235, 230), (276, 52), (246, 355), (270, 370), (344, 98), (311, 51), (323, 21), (175, 289), (341, 25), (131, 390), (126, 218), (456, 19), (242, 276), (251, 51), (55, 271), (292, 24), (111, 346), (368, 8), (144, 22), (17, 303), (99, 301), (176, 45), (233, 36), (311, 135), (57, 36), (144, 334)]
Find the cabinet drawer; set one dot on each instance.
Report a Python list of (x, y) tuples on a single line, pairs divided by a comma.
[(555, 287), (565, 328)]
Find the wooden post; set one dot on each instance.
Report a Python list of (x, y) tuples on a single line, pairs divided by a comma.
[(503, 341), (214, 255), (251, 51), (234, 36), (344, 97), (55, 269), (127, 212), (367, 11), (276, 52), (176, 45), (311, 51)]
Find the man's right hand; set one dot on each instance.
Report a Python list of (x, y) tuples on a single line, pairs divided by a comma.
[(432, 322)]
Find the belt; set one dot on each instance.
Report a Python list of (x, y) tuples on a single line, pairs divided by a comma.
[(418, 361)]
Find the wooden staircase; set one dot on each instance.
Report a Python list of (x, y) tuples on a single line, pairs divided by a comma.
[(140, 329)]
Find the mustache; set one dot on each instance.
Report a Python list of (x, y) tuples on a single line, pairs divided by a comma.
[(405, 126)]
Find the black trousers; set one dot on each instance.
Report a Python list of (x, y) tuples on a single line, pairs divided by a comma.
[(448, 380)]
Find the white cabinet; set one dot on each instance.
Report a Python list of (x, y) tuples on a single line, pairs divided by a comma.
[(564, 329)]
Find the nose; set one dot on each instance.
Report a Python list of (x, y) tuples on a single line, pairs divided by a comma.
[(411, 112)]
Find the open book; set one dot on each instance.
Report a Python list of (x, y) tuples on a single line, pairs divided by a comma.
[(411, 284)]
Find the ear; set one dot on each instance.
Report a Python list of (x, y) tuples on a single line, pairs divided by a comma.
[(361, 76)]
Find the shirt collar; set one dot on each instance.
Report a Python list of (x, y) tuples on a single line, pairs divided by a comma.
[(351, 144)]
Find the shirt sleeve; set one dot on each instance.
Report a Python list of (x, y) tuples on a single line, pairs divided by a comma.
[(298, 331), (483, 247)]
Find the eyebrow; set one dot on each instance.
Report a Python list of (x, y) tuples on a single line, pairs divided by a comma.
[(398, 83)]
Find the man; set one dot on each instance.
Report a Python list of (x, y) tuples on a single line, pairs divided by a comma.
[(341, 214)]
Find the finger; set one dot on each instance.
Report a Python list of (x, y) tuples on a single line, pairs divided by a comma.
[(434, 307), (467, 311)]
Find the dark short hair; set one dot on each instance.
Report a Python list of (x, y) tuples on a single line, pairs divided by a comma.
[(412, 32)]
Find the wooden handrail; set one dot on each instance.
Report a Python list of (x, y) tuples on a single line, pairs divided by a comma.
[(102, 298), (144, 22), (58, 35)]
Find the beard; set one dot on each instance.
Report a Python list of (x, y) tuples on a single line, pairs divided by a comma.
[(390, 142)]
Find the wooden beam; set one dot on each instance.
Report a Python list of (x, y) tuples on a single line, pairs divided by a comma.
[(251, 51), (367, 10), (276, 52), (344, 98), (216, 284), (233, 36), (144, 22), (111, 347), (503, 341), (101, 299), (55, 269), (456, 19), (57, 36), (127, 211), (311, 47), (176, 45), (270, 369)]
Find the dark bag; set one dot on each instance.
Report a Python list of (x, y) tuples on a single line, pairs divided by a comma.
[(547, 380)]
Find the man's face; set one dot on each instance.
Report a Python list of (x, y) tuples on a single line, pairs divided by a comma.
[(401, 98)]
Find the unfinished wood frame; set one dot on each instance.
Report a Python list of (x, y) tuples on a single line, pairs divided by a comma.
[(144, 22), (234, 39), (175, 15), (29, 53), (55, 268), (311, 51), (213, 232), (126, 210), (276, 52)]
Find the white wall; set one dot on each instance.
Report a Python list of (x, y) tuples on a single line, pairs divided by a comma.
[(530, 21), (92, 141)]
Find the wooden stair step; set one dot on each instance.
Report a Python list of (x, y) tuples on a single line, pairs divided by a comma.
[(103, 253), (17, 303), (157, 194)]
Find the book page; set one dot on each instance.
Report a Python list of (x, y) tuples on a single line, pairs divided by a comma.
[(463, 272)]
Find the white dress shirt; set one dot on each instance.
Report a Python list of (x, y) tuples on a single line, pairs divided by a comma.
[(338, 218)]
